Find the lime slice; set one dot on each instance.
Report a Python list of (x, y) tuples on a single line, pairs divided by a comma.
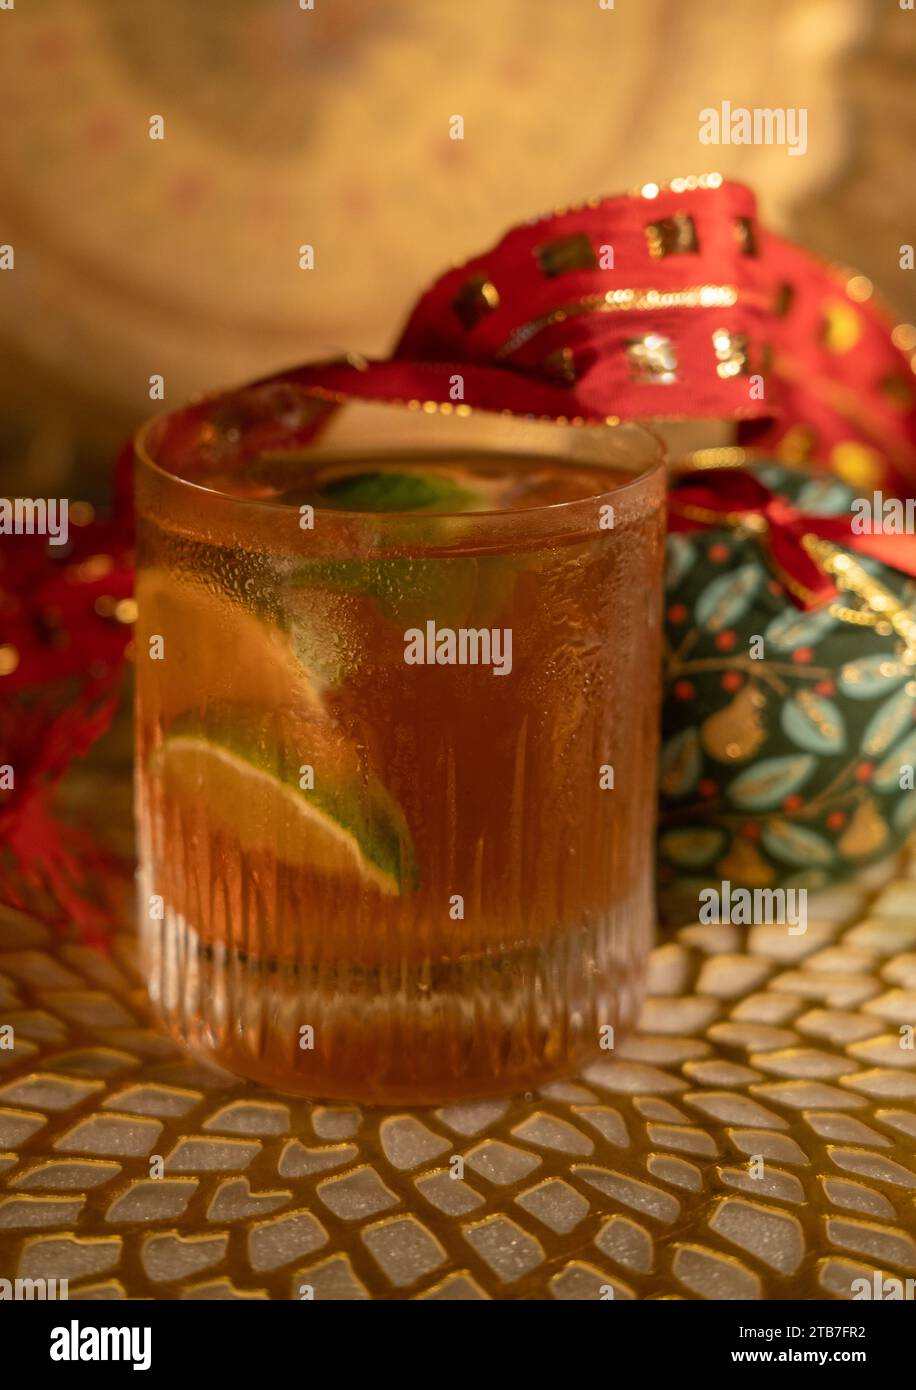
[(390, 491), (345, 826)]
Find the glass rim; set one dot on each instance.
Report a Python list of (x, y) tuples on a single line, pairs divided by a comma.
[(633, 454), (601, 430)]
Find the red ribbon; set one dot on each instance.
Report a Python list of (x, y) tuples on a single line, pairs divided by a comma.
[(723, 497), (550, 322)]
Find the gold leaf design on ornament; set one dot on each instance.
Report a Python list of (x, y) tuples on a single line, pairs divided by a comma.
[(865, 834), (871, 675), (744, 864), (692, 847), (884, 727), (727, 598), (734, 734), (813, 722), (680, 764), (767, 782)]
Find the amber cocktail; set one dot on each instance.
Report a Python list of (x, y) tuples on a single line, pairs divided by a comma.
[(397, 700)]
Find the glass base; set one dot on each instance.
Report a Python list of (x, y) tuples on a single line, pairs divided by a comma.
[(399, 1034)]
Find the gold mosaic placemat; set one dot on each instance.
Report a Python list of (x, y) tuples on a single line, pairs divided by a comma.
[(757, 1139)]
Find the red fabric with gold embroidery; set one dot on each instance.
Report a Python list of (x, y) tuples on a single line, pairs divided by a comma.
[(837, 393)]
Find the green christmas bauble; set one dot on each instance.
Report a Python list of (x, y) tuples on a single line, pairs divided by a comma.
[(789, 736)]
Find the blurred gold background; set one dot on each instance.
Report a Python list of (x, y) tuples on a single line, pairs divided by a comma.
[(330, 127)]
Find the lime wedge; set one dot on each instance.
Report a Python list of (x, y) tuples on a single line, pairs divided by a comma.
[(344, 826), (390, 491), (215, 649)]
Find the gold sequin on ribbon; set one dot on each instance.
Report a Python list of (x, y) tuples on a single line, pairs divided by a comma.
[(689, 184), (476, 298), (796, 445), (745, 236), (841, 327), (672, 236), (9, 660), (896, 391), (565, 254), (784, 299), (561, 366), (731, 353), (652, 359)]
